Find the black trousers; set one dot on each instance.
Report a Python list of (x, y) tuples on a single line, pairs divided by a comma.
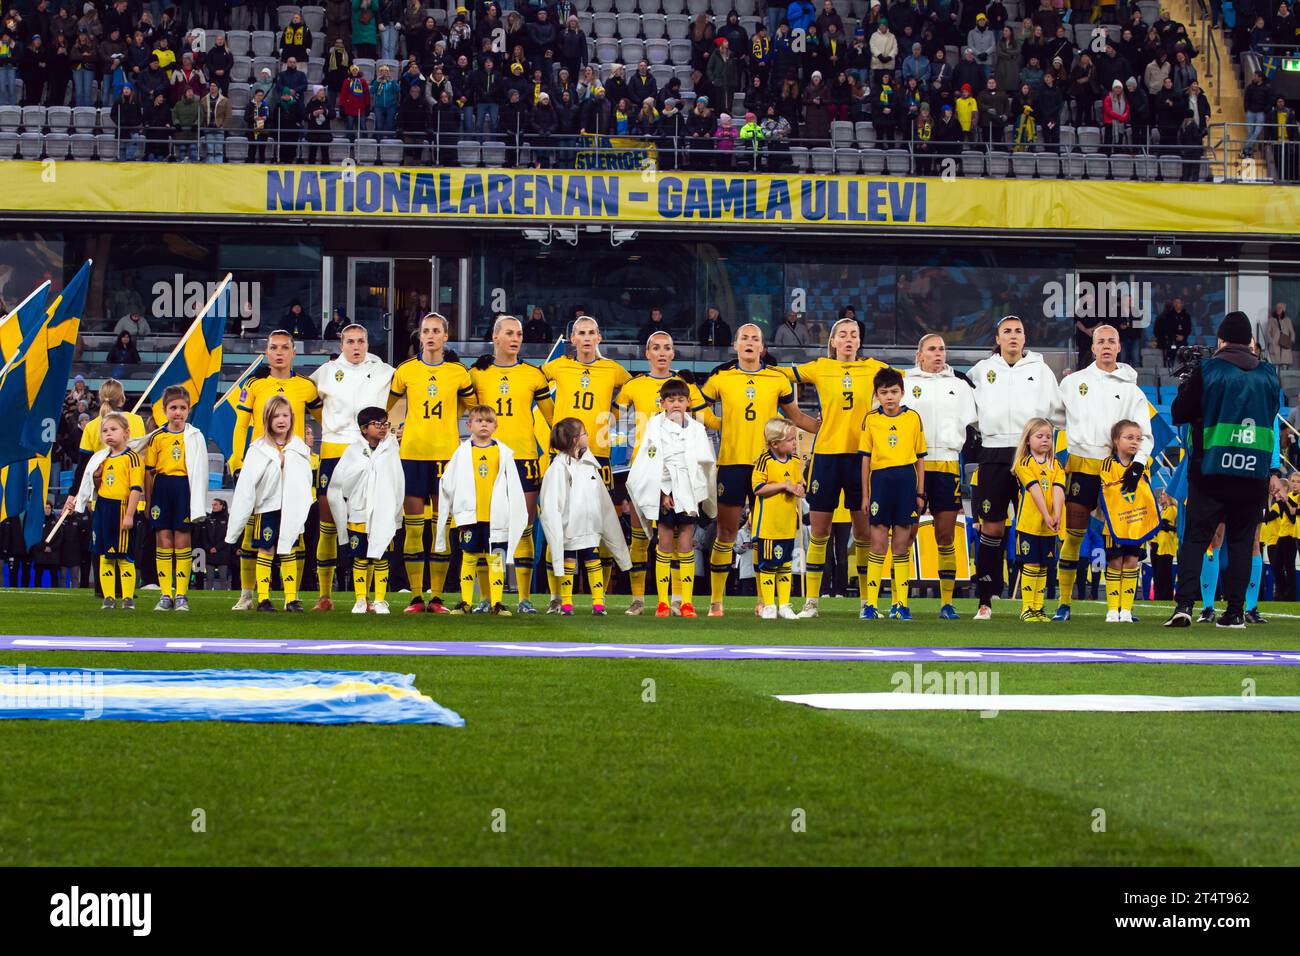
[(1236, 502), (1162, 574), (1282, 557), (836, 580)]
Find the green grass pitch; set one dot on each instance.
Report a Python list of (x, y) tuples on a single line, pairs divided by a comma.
[(583, 770)]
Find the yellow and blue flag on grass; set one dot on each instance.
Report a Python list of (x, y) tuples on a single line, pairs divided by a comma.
[(196, 362), (248, 696), (35, 379)]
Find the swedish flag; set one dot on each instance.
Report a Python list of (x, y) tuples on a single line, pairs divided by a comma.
[(35, 377), (223, 415), (24, 484), (196, 362)]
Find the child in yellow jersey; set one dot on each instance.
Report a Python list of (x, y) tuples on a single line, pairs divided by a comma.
[(176, 483), (893, 450), (482, 494), (1122, 558), (1039, 510), (1166, 548), (365, 494), (114, 477), (778, 489)]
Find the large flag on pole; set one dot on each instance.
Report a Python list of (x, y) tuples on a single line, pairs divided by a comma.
[(195, 363), (35, 379), (224, 415), (14, 328)]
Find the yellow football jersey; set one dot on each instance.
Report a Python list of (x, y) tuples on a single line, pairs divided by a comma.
[(642, 394), (1167, 541), (1286, 522), (298, 389), (165, 453), (892, 440), (748, 400), (844, 391), (92, 441), (121, 474), (776, 516), (486, 461), (512, 391), (586, 392), (434, 394), (1029, 471)]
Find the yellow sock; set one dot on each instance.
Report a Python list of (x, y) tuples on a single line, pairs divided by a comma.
[(381, 579), (327, 556), (566, 582), (862, 557), (607, 569), (902, 577), (783, 577), (524, 567), (640, 552), (596, 581), (1033, 579), (264, 564), (183, 561), (166, 572), (290, 573), (1042, 590), (247, 560), (1112, 588), (361, 578), (439, 565), (496, 577), (947, 572), (1067, 568), (468, 572), (875, 568), (553, 584), (126, 573), (816, 567), (685, 566), (484, 578), (663, 576), (766, 587), (720, 568), (676, 574), (1128, 588), (413, 557), (108, 577)]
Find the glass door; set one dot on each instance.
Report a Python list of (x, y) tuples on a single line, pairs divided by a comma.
[(450, 283), (370, 301)]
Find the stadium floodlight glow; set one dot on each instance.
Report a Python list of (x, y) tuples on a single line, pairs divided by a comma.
[(619, 236)]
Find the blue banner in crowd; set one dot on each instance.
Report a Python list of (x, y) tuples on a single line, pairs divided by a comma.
[(256, 696)]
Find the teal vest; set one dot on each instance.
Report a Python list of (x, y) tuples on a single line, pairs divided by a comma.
[(1239, 410)]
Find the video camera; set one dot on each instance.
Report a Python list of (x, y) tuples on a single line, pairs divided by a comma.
[(1187, 358)]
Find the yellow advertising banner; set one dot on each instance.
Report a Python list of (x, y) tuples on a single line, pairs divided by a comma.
[(648, 198)]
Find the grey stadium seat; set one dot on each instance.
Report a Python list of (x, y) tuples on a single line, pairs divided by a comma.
[(799, 156), (1097, 165), (1121, 166), (236, 149), (390, 152), (314, 17), (1024, 165), (841, 133), (240, 42), (105, 146), (1049, 165), (84, 119), (1072, 166), (972, 163), (82, 146), (33, 118), (468, 152), (847, 161), (998, 163), (679, 26), (654, 26), (494, 154), (629, 24), (58, 118), (873, 161), (898, 162), (11, 117), (262, 43), (823, 160), (31, 145), (1089, 139), (865, 133), (57, 145), (604, 25), (8, 145)]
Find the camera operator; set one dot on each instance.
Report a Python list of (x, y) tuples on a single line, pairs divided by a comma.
[(1231, 400)]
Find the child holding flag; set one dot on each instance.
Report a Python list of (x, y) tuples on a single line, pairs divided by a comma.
[(1041, 480), (114, 478), (176, 481), (1131, 518)]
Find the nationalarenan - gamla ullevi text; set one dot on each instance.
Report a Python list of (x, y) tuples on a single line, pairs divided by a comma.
[(74, 908)]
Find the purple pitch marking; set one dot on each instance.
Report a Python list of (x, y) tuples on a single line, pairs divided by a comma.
[(702, 652)]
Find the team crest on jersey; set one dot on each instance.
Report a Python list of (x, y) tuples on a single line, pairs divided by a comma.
[(847, 381), (992, 376), (1024, 546), (651, 451), (155, 512), (722, 489), (466, 536), (892, 440), (778, 552), (1083, 388), (916, 391), (984, 507), (814, 486), (354, 541), (1074, 488), (875, 508), (585, 381), (482, 469), (338, 375), (266, 535), (505, 386), (176, 453), (324, 480), (751, 393), (110, 479), (432, 390)]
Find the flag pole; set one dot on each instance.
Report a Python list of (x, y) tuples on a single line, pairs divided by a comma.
[(198, 319)]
